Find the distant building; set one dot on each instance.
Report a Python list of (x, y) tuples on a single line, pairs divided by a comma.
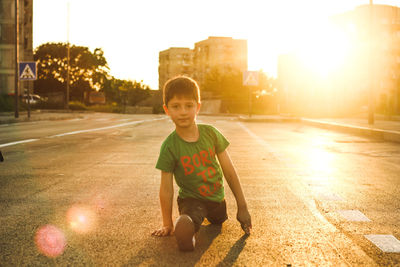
[(7, 43), (174, 61), (222, 53), (383, 68)]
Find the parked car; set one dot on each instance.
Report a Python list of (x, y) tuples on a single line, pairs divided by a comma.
[(33, 99)]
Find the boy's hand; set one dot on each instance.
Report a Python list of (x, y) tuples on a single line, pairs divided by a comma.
[(164, 231), (243, 216)]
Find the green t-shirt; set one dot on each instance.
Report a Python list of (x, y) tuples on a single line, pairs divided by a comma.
[(194, 164)]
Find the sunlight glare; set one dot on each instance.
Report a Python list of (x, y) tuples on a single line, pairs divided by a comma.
[(324, 49), (320, 160)]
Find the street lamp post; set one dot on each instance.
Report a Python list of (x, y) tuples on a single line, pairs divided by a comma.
[(371, 74), (16, 39), (68, 61)]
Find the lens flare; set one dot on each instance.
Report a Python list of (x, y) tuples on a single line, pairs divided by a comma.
[(81, 219), (50, 241)]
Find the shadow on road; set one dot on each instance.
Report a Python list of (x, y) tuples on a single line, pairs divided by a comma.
[(234, 252), (164, 251)]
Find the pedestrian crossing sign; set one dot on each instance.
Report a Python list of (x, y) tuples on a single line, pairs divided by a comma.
[(250, 78), (27, 71)]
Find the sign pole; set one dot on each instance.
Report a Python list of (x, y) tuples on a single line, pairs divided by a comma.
[(250, 80), (29, 104), (27, 72), (249, 101), (16, 39)]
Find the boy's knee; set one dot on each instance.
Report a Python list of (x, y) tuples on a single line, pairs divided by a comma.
[(216, 220), (195, 220), (184, 233)]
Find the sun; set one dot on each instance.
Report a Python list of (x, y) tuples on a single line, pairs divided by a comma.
[(324, 49)]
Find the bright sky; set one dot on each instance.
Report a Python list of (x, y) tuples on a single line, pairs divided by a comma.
[(133, 32)]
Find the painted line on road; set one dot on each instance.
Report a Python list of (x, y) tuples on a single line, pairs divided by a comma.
[(19, 142), (329, 196), (104, 128), (263, 143), (82, 131), (386, 243), (354, 215)]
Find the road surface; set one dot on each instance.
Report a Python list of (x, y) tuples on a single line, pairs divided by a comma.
[(85, 192)]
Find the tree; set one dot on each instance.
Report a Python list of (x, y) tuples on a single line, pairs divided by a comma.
[(134, 91), (225, 85), (228, 86), (125, 91), (88, 70)]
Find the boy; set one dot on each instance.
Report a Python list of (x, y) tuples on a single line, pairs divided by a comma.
[(189, 154)]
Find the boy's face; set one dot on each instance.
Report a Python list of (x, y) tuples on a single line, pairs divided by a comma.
[(182, 110)]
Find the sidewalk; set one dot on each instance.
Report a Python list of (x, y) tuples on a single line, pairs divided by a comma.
[(383, 128)]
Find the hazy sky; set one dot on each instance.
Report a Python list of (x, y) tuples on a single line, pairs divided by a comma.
[(133, 32)]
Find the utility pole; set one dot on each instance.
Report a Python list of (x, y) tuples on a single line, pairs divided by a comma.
[(16, 39), (371, 71)]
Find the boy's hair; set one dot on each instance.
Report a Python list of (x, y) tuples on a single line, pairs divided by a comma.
[(181, 85)]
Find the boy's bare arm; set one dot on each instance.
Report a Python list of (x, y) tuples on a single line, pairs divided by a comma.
[(243, 215), (166, 199)]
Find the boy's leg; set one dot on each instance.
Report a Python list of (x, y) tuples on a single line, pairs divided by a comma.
[(192, 213), (216, 212), (184, 233), (194, 208)]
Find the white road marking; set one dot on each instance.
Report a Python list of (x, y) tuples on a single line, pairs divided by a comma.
[(103, 128), (265, 144), (329, 196), (82, 131), (386, 243), (354, 215), (19, 142)]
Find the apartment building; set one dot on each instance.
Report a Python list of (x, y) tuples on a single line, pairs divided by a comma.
[(7, 42), (376, 55), (174, 61), (222, 53)]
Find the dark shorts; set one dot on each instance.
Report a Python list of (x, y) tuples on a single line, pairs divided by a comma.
[(197, 210)]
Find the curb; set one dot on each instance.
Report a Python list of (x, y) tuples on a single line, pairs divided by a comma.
[(392, 136), (269, 119), (39, 116)]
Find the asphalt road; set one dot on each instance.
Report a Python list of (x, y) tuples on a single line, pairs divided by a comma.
[(85, 192)]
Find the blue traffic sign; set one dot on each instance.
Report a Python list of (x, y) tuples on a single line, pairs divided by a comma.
[(27, 71)]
